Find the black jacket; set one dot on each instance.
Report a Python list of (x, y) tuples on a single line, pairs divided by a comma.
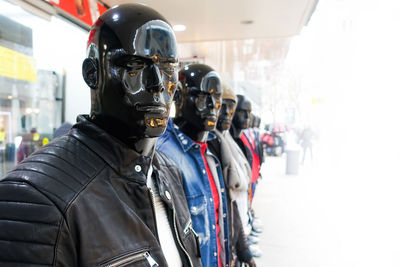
[(246, 151), (82, 200)]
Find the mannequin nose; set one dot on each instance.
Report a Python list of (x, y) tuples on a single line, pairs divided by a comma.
[(210, 102), (152, 77), (224, 110)]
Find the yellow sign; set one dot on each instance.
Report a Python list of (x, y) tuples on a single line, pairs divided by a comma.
[(36, 137), (2, 135), (45, 141), (17, 65)]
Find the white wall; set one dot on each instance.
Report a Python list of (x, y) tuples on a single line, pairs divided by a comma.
[(64, 50)]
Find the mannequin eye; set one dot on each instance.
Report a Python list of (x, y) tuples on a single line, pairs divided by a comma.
[(215, 93), (201, 97), (241, 112), (169, 67), (192, 91), (134, 65)]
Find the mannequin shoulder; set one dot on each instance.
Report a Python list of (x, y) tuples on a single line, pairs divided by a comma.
[(167, 142), (29, 224), (167, 165), (58, 171)]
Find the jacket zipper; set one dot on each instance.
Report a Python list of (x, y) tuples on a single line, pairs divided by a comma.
[(153, 205), (186, 229), (177, 236), (190, 227), (134, 258), (150, 260)]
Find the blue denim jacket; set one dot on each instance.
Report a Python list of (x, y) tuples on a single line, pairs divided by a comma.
[(187, 156)]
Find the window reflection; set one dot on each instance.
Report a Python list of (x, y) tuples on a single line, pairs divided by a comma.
[(31, 99)]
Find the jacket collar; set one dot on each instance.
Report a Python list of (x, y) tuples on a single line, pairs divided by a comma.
[(185, 141), (124, 160)]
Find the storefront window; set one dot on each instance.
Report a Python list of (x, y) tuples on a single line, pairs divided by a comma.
[(31, 97)]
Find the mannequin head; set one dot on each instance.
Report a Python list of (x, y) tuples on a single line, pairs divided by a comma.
[(228, 107), (131, 70), (241, 119), (257, 122), (198, 100), (252, 120)]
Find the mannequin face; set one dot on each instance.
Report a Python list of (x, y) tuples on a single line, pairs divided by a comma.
[(137, 61), (201, 98), (257, 122), (252, 120), (242, 116), (226, 114)]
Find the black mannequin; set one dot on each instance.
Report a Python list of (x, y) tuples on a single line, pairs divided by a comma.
[(241, 119), (132, 90), (257, 137), (198, 100), (257, 122), (252, 120)]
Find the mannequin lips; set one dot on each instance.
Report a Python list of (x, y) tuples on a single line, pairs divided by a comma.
[(152, 108), (223, 124), (211, 118), (226, 122), (156, 122)]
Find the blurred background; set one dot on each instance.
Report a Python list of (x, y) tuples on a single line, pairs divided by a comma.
[(324, 69)]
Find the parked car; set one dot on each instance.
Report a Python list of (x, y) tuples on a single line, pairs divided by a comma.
[(274, 139)]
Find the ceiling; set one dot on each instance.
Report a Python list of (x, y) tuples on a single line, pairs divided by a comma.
[(211, 20)]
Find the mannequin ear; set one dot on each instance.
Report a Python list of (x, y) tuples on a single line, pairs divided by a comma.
[(90, 72), (178, 96)]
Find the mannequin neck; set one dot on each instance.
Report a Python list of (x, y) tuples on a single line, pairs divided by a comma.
[(223, 131), (191, 131), (235, 132), (142, 145)]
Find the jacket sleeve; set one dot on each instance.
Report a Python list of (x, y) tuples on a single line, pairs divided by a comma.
[(30, 228), (242, 248)]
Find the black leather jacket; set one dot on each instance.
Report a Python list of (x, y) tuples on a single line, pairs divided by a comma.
[(82, 200)]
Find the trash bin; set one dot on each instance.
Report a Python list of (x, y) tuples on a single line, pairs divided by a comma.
[(292, 161)]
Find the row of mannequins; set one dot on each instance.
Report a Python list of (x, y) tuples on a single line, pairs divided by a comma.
[(219, 156), (128, 185)]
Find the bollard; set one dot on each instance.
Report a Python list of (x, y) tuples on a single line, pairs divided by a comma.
[(292, 161)]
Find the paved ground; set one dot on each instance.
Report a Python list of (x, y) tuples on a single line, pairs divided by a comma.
[(320, 218)]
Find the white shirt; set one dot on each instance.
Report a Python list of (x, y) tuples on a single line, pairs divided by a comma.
[(165, 235)]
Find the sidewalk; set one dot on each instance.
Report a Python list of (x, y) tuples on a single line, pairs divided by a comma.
[(318, 219)]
